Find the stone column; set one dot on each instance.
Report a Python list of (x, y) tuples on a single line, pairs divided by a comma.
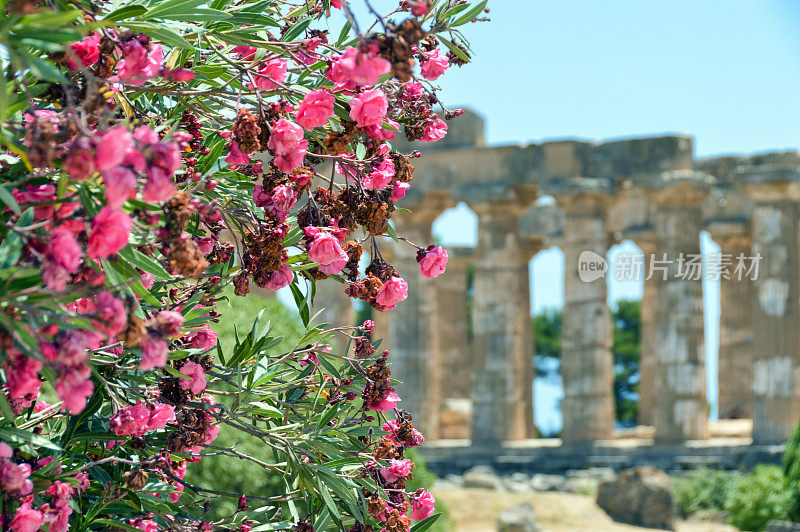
[(586, 363), (455, 347), (776, 334), (451, 309), (680, 410), (336, 306), (735, 333), (414, 326), (647, 341), (502, 397)]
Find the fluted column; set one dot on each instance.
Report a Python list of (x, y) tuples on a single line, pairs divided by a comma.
[(735, 332), (455, 351), (647, 342), (776, 334), (414, 326), (502, 397), (336, 306), (680, 410), (587, 366)]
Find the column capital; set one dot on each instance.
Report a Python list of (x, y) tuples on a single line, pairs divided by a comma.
[(684, 192), (588, 204), (769, 191), (425, 208), (497, 198)]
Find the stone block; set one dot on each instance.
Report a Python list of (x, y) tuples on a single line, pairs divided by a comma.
[(640, 496), (520, 518)]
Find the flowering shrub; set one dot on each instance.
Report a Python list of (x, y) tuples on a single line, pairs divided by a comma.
[(155, 153)]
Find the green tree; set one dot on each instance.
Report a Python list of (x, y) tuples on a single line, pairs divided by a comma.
[(626, 350), (627, 357)]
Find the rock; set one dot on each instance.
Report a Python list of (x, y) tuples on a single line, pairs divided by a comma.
[(455, 479), (782, 526), (547, 482), (482, 477), (520, 518), (640, 496), (581, 484)]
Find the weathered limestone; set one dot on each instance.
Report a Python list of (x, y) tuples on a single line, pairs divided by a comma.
[(735, 333), (415, 325), (680, 409), (776, 334), (647, 341), (502, 397), (455, 345), (586, 363)]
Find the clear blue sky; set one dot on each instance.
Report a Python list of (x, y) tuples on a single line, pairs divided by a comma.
[(727, 71)]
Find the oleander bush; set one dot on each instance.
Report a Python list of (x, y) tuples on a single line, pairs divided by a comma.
[(160, 158)]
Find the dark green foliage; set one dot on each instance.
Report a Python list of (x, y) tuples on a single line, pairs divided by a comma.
[(791, 471), (758, 497), (703, 489), (627, 356), (547, 337), (626, 351)]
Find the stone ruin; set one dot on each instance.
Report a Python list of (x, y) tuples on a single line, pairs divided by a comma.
[(649, 190)]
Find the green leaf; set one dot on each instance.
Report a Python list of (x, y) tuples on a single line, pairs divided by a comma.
[(143, 262), (426, 524), (110, 524), (326, 496), (8, 198), (126, 12), (361, 151), (172, 8), (391, 233), (455, 49), (15, 435), (160, 33), (298, 28), (469, 15)]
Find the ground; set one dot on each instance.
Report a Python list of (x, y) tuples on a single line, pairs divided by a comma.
[(476, 510)]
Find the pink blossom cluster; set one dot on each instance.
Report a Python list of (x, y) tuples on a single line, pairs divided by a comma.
[(140, 418)]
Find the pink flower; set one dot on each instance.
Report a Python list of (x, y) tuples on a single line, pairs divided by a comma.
[(334, 267), (399, 191), (287, 143), (87, 51), (13, 477), (109, 232), (278, 203), (433, 263), (434, 66), (369, 108), (170, 322), (315, 110), (325, 249), (422, 505), (204, 338), (396, 469), (154, 353), (412, 91), (418, 8), (131, 421), (236, 157), (435, 130), (196, 382), (272, 73), (110, 314), (60, 521), (358, 67), (381, 175), (393, 291), (160, 416), (138, 64), (206, 244), (280, 278), (113, 146), (64, 250), (26, 519), (37, 194), (159, 186), (248, 53), (79, 162), (22, 375), (181, 75), (387, 403), (74, 389), (381, 133), (120, 184)]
